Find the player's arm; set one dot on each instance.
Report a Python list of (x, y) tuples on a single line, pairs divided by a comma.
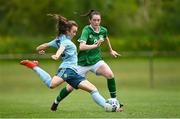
[(40, 49), (112, 52), (83, 39), (84, 46), (58, 52)]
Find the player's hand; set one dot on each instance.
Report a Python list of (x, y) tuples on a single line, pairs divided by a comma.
[(114, 53), (101, 40), (54, 57), (98, 43), (41, 52)]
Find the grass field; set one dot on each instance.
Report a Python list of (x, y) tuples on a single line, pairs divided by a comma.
[(23, 95)]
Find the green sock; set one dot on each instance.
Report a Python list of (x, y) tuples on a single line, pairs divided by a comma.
[(112, 87), (63, 93)]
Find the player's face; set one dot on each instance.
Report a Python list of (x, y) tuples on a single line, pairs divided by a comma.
[(73, 31), (95, 21)]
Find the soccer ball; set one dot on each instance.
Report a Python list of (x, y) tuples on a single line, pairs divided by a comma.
[(111, 105)]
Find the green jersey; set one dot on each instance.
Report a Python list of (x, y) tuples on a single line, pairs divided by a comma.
[(89, 36)]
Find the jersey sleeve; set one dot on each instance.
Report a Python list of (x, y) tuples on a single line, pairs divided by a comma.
[(84, 36), (53, 43), (105, 33), (64, 43)]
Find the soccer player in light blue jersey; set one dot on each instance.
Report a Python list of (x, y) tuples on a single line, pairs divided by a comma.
[(67, 70)]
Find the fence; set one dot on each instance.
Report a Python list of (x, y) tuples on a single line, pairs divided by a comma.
[(149, 55)]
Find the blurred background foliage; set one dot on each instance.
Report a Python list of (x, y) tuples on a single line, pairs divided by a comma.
[(133, 25)]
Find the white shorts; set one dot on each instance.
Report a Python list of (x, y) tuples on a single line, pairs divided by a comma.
[(82, 70)]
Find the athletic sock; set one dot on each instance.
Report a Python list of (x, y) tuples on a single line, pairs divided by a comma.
[(44, 76), (98, 98), (63, 93), (56, 102), (112, 87)]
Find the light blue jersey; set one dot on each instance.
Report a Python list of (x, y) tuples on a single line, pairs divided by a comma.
[(69, 55)]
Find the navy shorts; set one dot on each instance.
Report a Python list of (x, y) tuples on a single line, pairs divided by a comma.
[(70, 76)]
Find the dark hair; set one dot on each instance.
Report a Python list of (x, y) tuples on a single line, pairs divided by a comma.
[(71, 23), (90, 13), (63, 25)]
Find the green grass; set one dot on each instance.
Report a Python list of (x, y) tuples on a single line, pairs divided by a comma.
[(22, 94)]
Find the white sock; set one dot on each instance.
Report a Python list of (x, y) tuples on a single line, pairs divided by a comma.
[(98, 98)]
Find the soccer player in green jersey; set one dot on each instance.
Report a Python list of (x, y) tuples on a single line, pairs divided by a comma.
[(89, 56)]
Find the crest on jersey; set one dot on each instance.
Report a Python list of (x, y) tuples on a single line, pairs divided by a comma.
[(100, 36), (90, 36)]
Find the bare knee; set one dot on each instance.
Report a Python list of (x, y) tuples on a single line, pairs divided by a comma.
[(105, 71), (87, 86), (109, 75), (56, 81), (69, 88), (92, 88), (53, 85)]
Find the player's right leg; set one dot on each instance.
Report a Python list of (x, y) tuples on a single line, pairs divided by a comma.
[(44, 76), (63, 93)]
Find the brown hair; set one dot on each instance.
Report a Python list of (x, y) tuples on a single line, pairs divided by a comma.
[(71, 23), (90, 13), (63, 25)]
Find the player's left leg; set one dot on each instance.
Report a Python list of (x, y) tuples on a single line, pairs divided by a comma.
[(101, 68), (89, 87), (77, 81), (44, 76), (98, 98), (106, 71)]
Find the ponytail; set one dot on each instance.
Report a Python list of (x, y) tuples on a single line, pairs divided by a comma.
[(61, 25), (90, 13)]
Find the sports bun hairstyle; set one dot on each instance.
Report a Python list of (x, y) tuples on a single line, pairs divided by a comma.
[(90, 13)]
